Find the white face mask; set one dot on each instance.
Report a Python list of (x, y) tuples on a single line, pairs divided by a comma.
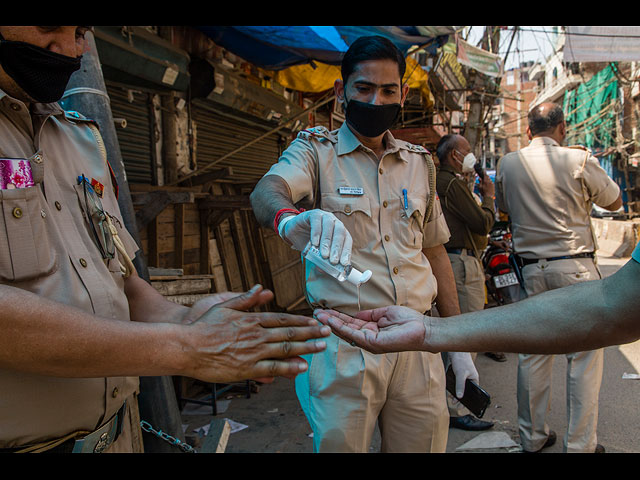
[(468, 162)]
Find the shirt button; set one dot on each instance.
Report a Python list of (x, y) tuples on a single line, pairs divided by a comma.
[(395, 270), (43, 214), (386, 237), (380, 171), (115, 392), (17, 212), (58, 205), (83, 262), (385, 204), (347, 209), (15, 106), (37, 158)]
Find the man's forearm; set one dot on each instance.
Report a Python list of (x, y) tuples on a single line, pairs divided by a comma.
[(447, 299), (270, 195), (581, 317), (48, 338)]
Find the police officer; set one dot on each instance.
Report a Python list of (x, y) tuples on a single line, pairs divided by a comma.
[(372, 197), (547, 191), (77, 325), (469, 224)]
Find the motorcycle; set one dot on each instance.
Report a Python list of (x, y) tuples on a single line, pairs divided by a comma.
[(501, 279)]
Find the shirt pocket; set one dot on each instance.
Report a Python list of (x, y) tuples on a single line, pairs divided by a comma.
[(412, 219), (353, 212), (26, 251)]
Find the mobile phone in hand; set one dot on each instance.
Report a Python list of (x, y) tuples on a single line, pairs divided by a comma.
[(474, 398), (479, 170)]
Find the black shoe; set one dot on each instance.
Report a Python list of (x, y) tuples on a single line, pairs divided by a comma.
[(497, 356), (599, 449), (469, 422), (551, 439)]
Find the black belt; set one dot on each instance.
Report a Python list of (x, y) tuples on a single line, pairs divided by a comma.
[(458, 251), (529, 261), (95, 442)]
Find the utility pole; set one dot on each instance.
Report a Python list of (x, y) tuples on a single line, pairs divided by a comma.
[(481, 84)]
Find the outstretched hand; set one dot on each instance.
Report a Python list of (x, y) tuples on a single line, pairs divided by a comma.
[(394, 329), (229, 344), (381, 330)]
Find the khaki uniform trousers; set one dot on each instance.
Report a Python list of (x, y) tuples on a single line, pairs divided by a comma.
[(584, 369), (469, 277), (347, 390)]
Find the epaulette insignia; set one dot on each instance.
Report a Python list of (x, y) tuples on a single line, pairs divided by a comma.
[(73, 115), (417, 148), (316, 132)]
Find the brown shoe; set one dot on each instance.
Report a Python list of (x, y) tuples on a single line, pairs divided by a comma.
[(551, 440)]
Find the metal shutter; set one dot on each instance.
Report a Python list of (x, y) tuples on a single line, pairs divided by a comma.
[(218, 134), (136, 139)]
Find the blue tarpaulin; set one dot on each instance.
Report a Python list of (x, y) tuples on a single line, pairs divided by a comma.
[(279, 47)]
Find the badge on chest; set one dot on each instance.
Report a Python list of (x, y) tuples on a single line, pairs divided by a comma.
[(351, 191)]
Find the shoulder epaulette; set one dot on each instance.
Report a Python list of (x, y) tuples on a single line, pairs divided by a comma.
[(75, 116), (319, 132), (417, 148), (579, 147)]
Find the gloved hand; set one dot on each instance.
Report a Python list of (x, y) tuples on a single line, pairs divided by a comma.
[(463, 368), (324, 231)]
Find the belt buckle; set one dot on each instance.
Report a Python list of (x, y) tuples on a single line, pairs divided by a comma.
[(103, 437)]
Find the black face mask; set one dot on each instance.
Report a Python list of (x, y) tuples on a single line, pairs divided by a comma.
[(42, 74), (371, 120)]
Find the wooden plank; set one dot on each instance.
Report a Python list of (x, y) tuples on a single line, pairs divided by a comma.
[(182, 286), (154, 271), (188, 299), (179, 277), (217, 437), (153, 203), (215, 265), (228, 256), (240, 251), (212, 176), (179, 235), (152, 235), (204, 244), (226, 202)]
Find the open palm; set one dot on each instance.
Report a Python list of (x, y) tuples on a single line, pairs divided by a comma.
[(381, 330)]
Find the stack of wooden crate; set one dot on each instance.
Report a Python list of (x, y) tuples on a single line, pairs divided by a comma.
[(180, 288)]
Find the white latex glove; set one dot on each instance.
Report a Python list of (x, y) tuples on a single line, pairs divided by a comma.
[(463, 368), (324, 231)]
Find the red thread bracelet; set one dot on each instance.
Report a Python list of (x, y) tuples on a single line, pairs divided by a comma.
[(276, 221)]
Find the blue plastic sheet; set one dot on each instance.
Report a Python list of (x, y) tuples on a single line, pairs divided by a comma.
[(279, 47)]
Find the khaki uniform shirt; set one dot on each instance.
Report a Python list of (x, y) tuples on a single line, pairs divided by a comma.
[(540, 187), (468, 222), (46, 248), (387, 233)]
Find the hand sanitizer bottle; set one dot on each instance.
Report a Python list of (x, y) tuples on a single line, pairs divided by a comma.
[(338, 271)]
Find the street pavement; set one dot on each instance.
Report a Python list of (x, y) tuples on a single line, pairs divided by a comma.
[(271, 420)]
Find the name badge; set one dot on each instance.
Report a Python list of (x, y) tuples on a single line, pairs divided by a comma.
[(351, 191)]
